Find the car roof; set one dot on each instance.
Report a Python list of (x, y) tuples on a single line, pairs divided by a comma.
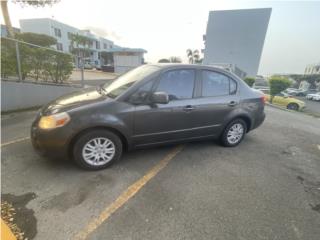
[(182, 65)]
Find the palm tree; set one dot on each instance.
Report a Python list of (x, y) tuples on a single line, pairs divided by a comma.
[(196, 56), (6, 15), (175, 59), (190, 56), (193, 56)]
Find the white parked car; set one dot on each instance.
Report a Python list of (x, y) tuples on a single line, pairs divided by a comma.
[(296, 91), (314, 96)]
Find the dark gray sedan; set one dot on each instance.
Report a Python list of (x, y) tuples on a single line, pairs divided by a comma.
[(150, 105)]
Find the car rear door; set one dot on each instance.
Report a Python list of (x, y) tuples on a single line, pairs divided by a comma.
[(156, 123), (218, 96)]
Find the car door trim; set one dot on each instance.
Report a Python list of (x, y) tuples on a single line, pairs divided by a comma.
[(176, 131)]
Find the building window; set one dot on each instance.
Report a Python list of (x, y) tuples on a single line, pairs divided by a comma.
[(57, 32), (97, 45), (59, 47), (70, 35), (105, 46)]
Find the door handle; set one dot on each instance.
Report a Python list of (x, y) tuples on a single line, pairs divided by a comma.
[(188, 108), (232, 103)]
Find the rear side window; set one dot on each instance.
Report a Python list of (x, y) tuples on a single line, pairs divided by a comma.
[(178, 84), (216, 84)]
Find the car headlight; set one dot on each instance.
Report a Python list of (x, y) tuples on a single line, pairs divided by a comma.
[(54, 121)]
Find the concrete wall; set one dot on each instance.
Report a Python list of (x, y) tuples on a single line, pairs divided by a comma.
[(236, 37), (125, 62), (15, 95)]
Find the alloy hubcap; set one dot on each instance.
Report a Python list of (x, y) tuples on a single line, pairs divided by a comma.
[(235, 133), (98, 151)]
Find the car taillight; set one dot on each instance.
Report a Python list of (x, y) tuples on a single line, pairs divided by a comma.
[(264, 99)]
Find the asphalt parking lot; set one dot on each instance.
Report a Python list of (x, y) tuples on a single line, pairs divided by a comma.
[(312, 107), (266, 188)]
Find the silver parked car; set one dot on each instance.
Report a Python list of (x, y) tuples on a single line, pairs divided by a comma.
[(313, 96), (147, 106)]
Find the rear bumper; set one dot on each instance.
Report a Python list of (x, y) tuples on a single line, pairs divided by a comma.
[(259, 120)]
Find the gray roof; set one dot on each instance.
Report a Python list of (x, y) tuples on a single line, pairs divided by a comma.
[(123, 49)]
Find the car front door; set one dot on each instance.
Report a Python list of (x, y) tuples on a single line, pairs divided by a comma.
[(156, 123), (217, 98)]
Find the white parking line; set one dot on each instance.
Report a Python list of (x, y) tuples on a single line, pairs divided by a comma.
[(14, 141)]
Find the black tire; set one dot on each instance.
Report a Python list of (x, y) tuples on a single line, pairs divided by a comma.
[(293, 106), (224, 137), (86, 138)]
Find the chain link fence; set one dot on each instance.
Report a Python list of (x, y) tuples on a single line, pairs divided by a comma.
[(26, 62)]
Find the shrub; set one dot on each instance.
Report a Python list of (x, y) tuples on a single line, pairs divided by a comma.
[(37, 39), (250, 81), (277, 85), (163, 60), (36, 63), (8, 59)]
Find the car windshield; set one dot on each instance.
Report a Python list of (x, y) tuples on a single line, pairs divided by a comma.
[(123, 82)]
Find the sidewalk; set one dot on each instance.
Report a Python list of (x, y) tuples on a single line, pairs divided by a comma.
[(92, 75)]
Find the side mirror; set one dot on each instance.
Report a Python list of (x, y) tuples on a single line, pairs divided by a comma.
[(160, 97)]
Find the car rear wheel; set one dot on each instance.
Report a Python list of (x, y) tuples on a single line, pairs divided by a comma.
[(97, 149), (234, 133), (293, 106)]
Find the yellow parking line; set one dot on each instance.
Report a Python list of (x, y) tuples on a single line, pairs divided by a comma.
[(14, 141), (126, 195)]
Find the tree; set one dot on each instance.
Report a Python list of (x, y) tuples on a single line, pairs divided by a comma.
[(250, 81), (190, 55), (194, 56), (313, 79), (34, 3), (80, 46), (174, 59), (277, 85), (37, 39), (163, 60)]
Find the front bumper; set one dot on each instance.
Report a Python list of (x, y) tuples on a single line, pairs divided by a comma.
[(50, 143)]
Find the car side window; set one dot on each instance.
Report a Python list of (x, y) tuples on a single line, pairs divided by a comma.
[(217, 84), (142, 93), (178, 84)]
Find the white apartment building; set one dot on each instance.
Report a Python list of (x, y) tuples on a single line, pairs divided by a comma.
[(236, 37), (62, 32), (312, 69)]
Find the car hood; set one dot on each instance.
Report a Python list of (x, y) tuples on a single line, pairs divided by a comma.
[(73, 100)]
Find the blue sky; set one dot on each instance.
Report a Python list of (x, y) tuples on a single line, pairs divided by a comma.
[(168, 27)]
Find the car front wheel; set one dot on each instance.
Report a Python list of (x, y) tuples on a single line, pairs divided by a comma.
[(234, 133), (97, 149)]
